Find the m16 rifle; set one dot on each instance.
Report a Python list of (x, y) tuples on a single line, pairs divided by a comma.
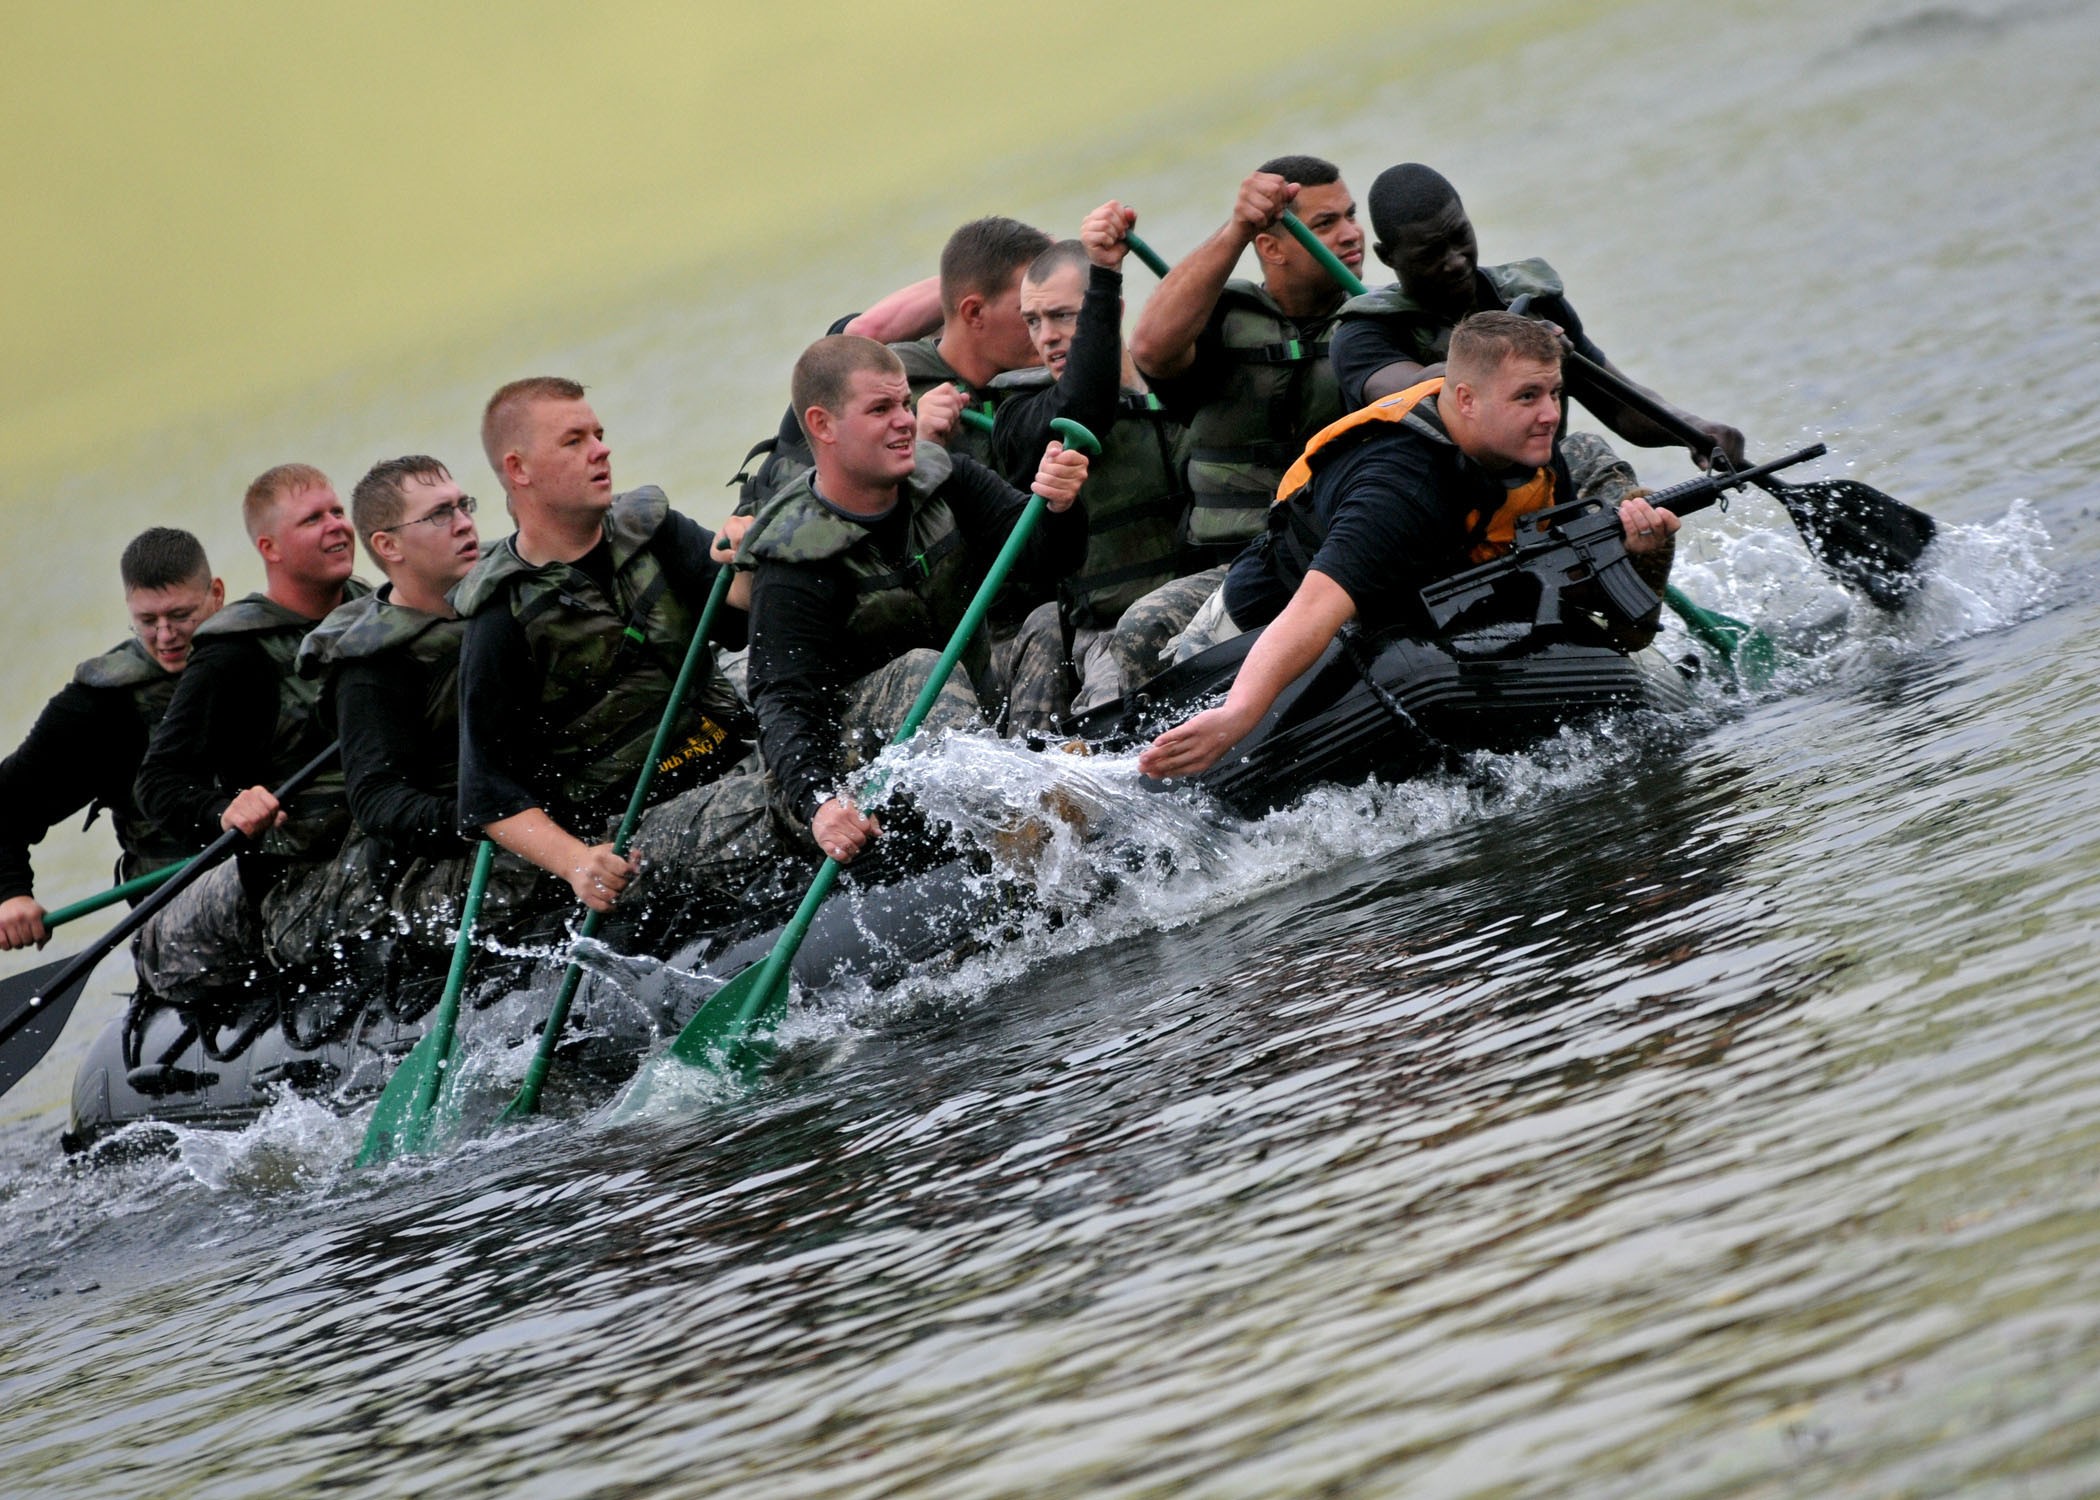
[(1579, 542)]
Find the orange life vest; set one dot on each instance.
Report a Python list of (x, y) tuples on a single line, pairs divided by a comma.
[(1489, 534)]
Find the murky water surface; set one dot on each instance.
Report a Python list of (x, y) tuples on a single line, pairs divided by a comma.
[(1688, 1109)]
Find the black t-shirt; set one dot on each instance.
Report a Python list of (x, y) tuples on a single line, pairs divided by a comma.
[(85, 747), (1362, 346), (499, 682), (1087, 392), (214, 741), (801, 661), (400, 768), (1394, 508)]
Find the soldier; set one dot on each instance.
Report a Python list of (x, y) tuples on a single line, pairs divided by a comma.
[(1244, 365), (1388, 339), (85, 748), (980, 336), (1408, 490), (389, 663), (577, 626), (862, 570), (1136, 495), (241, 721)]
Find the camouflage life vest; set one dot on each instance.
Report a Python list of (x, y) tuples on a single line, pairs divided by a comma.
[(147, 687), (375, 626), (607, 667), (1136, 498), (898, 604), (1279, 392), (318, 815), (1425, 335), (1296, 529)]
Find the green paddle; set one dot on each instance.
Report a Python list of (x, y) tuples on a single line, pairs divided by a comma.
[(753, 1000), (401, 1121), (527, 1101), (1748, 651)]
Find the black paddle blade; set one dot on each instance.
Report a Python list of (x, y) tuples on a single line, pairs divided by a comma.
[(31, 1020), (1870, 540)]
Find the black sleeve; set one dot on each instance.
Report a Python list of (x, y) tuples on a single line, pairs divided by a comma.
[(400, 790), (214, 740), (1360, 348), (1386, 537), (684, 547), (498, 687), (84, 745), (986, 508), (797, 613), (1085, 393)]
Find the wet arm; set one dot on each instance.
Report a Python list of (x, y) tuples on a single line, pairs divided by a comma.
[(77, 750), (1163, 344), (797, 614), (910, 312), (1287, 648), (986, 508), (690, 561)]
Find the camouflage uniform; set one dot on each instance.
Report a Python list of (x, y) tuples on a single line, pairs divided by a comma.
[(1145, 640), (211, 936), (206, 940)]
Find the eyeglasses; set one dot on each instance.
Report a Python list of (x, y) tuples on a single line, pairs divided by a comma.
[(440, 516)]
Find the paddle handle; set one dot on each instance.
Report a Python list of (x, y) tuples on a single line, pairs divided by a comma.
[(1331, 263), (137, 885), (1154, 261)]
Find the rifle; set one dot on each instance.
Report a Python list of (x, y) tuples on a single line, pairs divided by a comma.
[(1582, 541)]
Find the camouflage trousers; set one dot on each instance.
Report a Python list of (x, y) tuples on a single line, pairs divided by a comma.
[(719, 845), (875, 708), (1144, 640), (207, 939), (313, 918), (1055, 678)]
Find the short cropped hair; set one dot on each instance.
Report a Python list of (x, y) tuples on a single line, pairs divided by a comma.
[(503, 419), (1057, 258), (1306, 171), (162, 557), (827, 367), (272, 485), (1404, 195), (984, 256), (377, 503), (1487, 341)]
